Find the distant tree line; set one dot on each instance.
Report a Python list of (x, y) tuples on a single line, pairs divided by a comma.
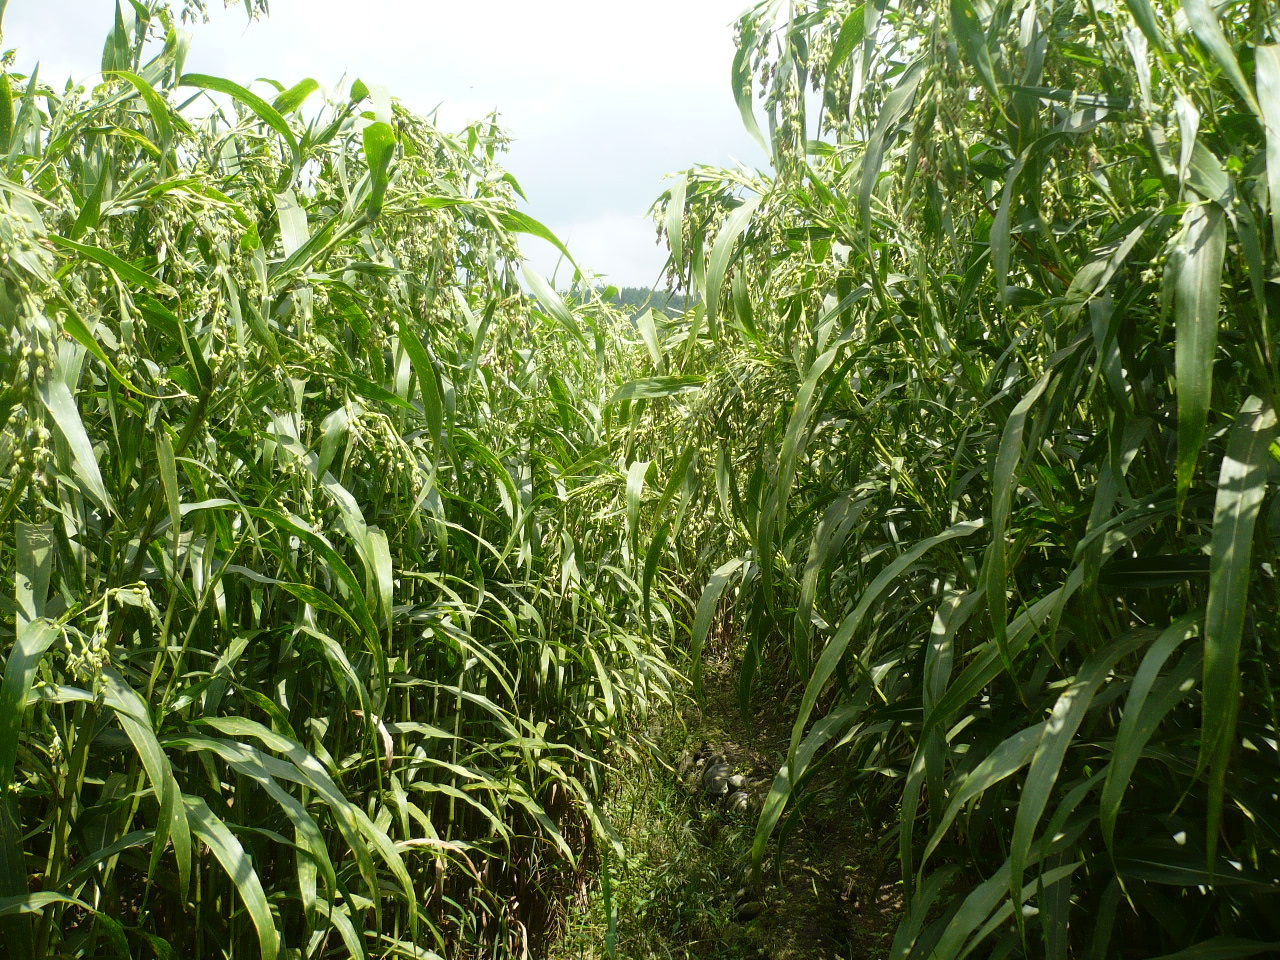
[(635, 300)]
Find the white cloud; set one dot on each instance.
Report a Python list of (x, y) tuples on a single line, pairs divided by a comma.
[(622, 246), (602, 97)]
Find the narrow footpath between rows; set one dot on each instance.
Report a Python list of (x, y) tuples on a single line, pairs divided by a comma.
[(684, 893)]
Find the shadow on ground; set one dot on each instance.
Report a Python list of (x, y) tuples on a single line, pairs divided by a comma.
[(833, 895)]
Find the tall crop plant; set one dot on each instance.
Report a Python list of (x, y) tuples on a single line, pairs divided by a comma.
[(315, 631), (988, 398)]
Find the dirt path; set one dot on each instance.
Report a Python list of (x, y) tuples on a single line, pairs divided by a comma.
[(680, 894)]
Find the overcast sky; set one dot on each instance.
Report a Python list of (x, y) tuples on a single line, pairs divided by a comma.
[(603, 97)]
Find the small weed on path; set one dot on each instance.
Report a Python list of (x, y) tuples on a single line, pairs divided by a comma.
[(681, 891)]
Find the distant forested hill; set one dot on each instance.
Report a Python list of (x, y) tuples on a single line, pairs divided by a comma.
[(635, 300)]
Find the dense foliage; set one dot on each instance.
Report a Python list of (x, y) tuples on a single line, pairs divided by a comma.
[(320, 627), (990, 365), (340, 561)]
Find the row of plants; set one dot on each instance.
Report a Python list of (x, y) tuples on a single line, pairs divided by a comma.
[(320, 625), (975, 422), (341, 552)]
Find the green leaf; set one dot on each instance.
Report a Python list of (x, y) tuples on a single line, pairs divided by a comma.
[(926, 766), (6, 108), (673, 223), (383, 573), (706, 610), (653, 388), (1204, 23), (1145, 16), (742, 81), (34, 571), (115, 51), (34, 635), (172, 825), (1003, 486), (295, 96), (33, 641), (1242, 484), (967, 929), (1268, 76), (1196, 274), (1142, 714), (829, 537), (294, 232), (635, 495), (1006, 759), (161, 115), (852, 33), (62, 407), (836, 647), (971, 36), (722, 252), (429, 386), (789, 775), (239, 868), (75, 327), (1147, 573), (264, 769), (379, 149), (1055, 739), (554, 304), (169, 481), (127, 272), (359, 831), (520, 222), (647, 324), (896, 106), (267, 113), (34, 904)]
